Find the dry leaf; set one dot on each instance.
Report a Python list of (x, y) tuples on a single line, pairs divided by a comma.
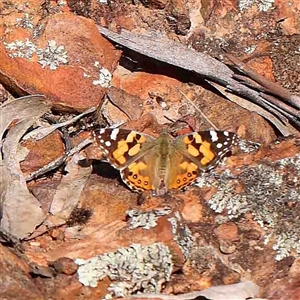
[(21, 211), (69, 190)]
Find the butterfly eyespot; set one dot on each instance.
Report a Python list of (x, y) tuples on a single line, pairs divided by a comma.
[(194, 173), (139, 181), (146, 183), (130, 173), (184, 179), (135, 176), (189, 174), (178, 181)]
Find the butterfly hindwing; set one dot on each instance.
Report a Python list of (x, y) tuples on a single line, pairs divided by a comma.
[(163, 163), (138, 176)]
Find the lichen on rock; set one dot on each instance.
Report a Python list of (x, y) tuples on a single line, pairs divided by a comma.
[(270, 193), (182, 235), (132, 269), (146, 219)]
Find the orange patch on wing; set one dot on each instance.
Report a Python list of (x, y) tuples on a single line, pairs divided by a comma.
[(204, 161), (187, 176), (130, 137), (136, 167), (140, 182), (186, 140), (142, 139), (134, 150), (188, 166), (198, 138), (121, 159), (207, 153), (193, 151), (122, 148)]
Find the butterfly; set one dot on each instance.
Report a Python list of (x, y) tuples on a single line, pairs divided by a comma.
[(163, 163)]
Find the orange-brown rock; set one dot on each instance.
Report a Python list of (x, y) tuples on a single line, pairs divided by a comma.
[(15, 281), (64, 265), (42, 152), (87, 53), (167, 97), (282, 289), (227, 232), (289, 16), (294, 271)]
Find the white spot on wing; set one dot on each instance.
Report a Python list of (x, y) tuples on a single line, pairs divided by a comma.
[(219, 145), (114, 134), (214, 136), (102, 130), (226, 133), (107, 143), (101, 141)]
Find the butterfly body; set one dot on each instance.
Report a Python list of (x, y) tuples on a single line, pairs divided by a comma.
[(163, 163)]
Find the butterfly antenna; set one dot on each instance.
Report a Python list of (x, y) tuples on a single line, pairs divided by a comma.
[(198, 110)]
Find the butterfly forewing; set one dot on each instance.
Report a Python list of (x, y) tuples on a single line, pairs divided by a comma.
[(122, 146), (206, 148), (147, 163)]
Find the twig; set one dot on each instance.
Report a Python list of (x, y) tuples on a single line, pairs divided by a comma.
[(270, 86), (160, 48), (285, 130), (40, 133), (57, 162), (290, 112), (251, 83)]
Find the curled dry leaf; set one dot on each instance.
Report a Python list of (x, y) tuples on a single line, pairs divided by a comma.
[(69, 190), (20, 210)]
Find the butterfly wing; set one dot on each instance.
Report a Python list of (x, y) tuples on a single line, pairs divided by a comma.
[(128, 151), (198, 152)]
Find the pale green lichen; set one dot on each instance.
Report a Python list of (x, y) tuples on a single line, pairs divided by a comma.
[(105, 76), (22, 49), (132, 269), (263, 5), (146, 219), (51, 56), (182, 235), (26, 22), (268, 190)]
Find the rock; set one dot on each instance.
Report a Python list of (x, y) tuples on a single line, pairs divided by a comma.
[(160, 4), (64, 265), (42, 152), (282, 289), (294, 271), (82, 56), (179, 11), (288, 14), (227, 248), (57, 234), (15, 281), (227, 232)]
